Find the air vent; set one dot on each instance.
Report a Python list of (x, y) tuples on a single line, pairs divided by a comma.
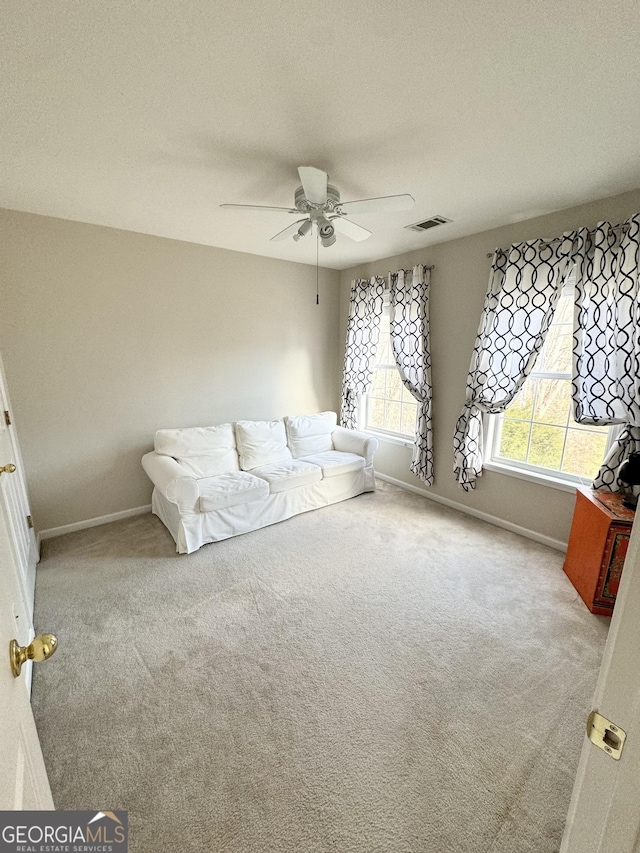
[(428, 223)]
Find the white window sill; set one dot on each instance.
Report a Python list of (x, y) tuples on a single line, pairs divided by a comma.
[(388, 438), (534, 476)]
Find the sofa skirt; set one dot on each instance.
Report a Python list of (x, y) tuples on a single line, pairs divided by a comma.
[(192, 530)]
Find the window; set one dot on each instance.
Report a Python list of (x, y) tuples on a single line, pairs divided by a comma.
[(537, 433), (388, 407)]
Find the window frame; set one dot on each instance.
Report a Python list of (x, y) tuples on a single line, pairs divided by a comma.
[(534, 473)]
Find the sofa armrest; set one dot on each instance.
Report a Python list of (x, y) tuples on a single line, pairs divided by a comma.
[(352, 441), (173, 481)]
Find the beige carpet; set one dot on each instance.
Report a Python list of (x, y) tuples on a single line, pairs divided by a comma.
[(380, 676)]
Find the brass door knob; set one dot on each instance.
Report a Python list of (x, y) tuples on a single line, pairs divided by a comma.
[(41, 648), (7, 469)]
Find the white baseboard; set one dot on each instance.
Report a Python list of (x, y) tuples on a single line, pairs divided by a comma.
[(51, 532), (476, 513)]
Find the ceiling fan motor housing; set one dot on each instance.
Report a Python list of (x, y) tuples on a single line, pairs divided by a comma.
[(304, 206)]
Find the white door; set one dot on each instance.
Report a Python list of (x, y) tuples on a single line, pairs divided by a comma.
[(15, 503), (604, 815), (23, 778)]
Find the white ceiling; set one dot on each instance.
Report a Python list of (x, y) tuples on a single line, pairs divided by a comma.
[(148, 114)]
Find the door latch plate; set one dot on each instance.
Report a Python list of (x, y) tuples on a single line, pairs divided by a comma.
[(606, 735)]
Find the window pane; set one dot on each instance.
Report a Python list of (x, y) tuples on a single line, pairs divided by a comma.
[(409, 416), (546, 446), (407, 396), (564, 308), (515, 439), (584, 452), (556, 352), (376, 413), (552, 401), (384, 349), (389, 406), (392, 419), (522, 406), (394, 384), (538, 428), (378, 382)]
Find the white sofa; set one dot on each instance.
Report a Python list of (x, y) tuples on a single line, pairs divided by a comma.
[(211, 483)]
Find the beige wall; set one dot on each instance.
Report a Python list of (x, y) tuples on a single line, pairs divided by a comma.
[(459, 283), (108, 335)]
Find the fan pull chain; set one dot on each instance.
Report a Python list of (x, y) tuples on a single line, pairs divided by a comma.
[(317, 273)]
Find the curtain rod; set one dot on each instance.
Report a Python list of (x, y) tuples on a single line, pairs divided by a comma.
[(612, 230), (387, 281), (426, 266)]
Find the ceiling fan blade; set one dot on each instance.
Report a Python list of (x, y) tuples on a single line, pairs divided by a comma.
[(350, 229), (261, 207), (314, 184), (385, 204), (289, 230)]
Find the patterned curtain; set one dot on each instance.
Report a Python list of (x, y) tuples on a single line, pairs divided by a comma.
[(410, 341), (524, 286), (606, 347), (363, 332)]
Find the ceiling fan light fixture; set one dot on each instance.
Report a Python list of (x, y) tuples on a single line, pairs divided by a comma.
[(327, 232), (303, 230)]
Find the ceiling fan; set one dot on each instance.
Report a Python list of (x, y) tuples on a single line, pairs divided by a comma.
[(320, 202)]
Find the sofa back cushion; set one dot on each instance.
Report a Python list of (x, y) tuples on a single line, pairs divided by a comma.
[(204, 451), (309, 434), (261, 443)]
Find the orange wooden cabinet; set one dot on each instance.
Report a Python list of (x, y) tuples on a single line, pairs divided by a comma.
[(597, 547)]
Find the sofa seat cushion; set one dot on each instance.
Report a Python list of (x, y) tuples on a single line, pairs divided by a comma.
[(290, 474), (307, 434), (335, 462), (261, 443), (230, 489)]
